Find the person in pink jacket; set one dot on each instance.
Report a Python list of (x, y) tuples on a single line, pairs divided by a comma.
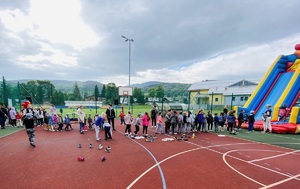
[(145, 123), (159, 122)]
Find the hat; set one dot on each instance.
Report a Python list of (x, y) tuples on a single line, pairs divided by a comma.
[(251, 112), (28, 115)]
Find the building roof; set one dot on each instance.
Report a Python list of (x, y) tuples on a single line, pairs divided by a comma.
[(221, 86), (242, 90)]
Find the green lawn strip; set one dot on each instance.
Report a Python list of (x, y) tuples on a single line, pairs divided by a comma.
[(283, 140), (9, 130)]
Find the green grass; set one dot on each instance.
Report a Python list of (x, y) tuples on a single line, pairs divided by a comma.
[(135, 110), (284, 140)]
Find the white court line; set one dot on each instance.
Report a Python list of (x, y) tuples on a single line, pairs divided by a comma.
[(222, 145), (280, 173), (224, 159), (271, 157), (280, 182), (180, 153)]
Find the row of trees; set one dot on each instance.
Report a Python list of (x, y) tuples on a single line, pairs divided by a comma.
[(44, 92)]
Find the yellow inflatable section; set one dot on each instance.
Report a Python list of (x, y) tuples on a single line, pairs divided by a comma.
[(295, 65), (287, 89)]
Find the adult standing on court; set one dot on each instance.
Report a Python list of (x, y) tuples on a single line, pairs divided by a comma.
[(81, 116), (110, 113), (154, 113), (268, 117), (3, 116)]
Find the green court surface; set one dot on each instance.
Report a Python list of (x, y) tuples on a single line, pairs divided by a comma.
[(8, 130), (291, 141)]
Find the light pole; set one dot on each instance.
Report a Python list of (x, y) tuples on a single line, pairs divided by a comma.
[(128, 40)]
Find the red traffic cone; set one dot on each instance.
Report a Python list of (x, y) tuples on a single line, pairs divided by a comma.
[(80, 158)]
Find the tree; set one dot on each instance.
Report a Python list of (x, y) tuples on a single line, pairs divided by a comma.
[(103, 92), (151, 92), (160, 92), (96, 92), (5, 93), (76, 92), (138, 95), (111, 93)]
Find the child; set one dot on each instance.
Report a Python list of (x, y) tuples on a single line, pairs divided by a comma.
[(145, 122), (54, 120), (159, 124), (68, 122), (283, 110), (90, 122), (60, 122), (50, 123), (231, 121), (204, 123), (122, 117), (174, 120), (137, 124), (98, 123), (216, 122), (180, 123), (128, 122), (84, 125), (29, 125), (251, 121), (19, 120), (106, 126), (222, 120), (46, 121)]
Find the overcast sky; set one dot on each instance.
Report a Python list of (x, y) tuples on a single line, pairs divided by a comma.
[(174, 40)]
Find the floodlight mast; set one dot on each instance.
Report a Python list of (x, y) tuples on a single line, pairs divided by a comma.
[(128, 40)]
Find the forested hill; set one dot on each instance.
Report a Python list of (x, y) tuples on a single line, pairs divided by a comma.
[(170, 89)]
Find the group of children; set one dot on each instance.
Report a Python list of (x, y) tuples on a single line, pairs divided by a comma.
[(56, 122), (186, 122), (141, 120)]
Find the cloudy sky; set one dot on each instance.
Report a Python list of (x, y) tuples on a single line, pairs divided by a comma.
[(174, 40)]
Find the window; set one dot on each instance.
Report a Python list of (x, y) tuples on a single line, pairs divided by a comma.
[(233, 98), (216, 99), (242, 98), (246, 98)]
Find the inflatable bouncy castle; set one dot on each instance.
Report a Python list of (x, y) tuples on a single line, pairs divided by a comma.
[(280, 86)]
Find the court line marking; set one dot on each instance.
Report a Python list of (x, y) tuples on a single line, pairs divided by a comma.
[(170, 157), (280, 182), (271, 157), (249, 178), (208, 148), (156, 163), (272, 170)]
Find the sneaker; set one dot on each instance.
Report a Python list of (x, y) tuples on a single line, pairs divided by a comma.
[(107, 150), (108, 147), (32, 144), (97, 139), (79, 145), (91, 146), (100, 147)]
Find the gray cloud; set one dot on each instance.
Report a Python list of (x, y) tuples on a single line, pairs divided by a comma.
[(168, 35)]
